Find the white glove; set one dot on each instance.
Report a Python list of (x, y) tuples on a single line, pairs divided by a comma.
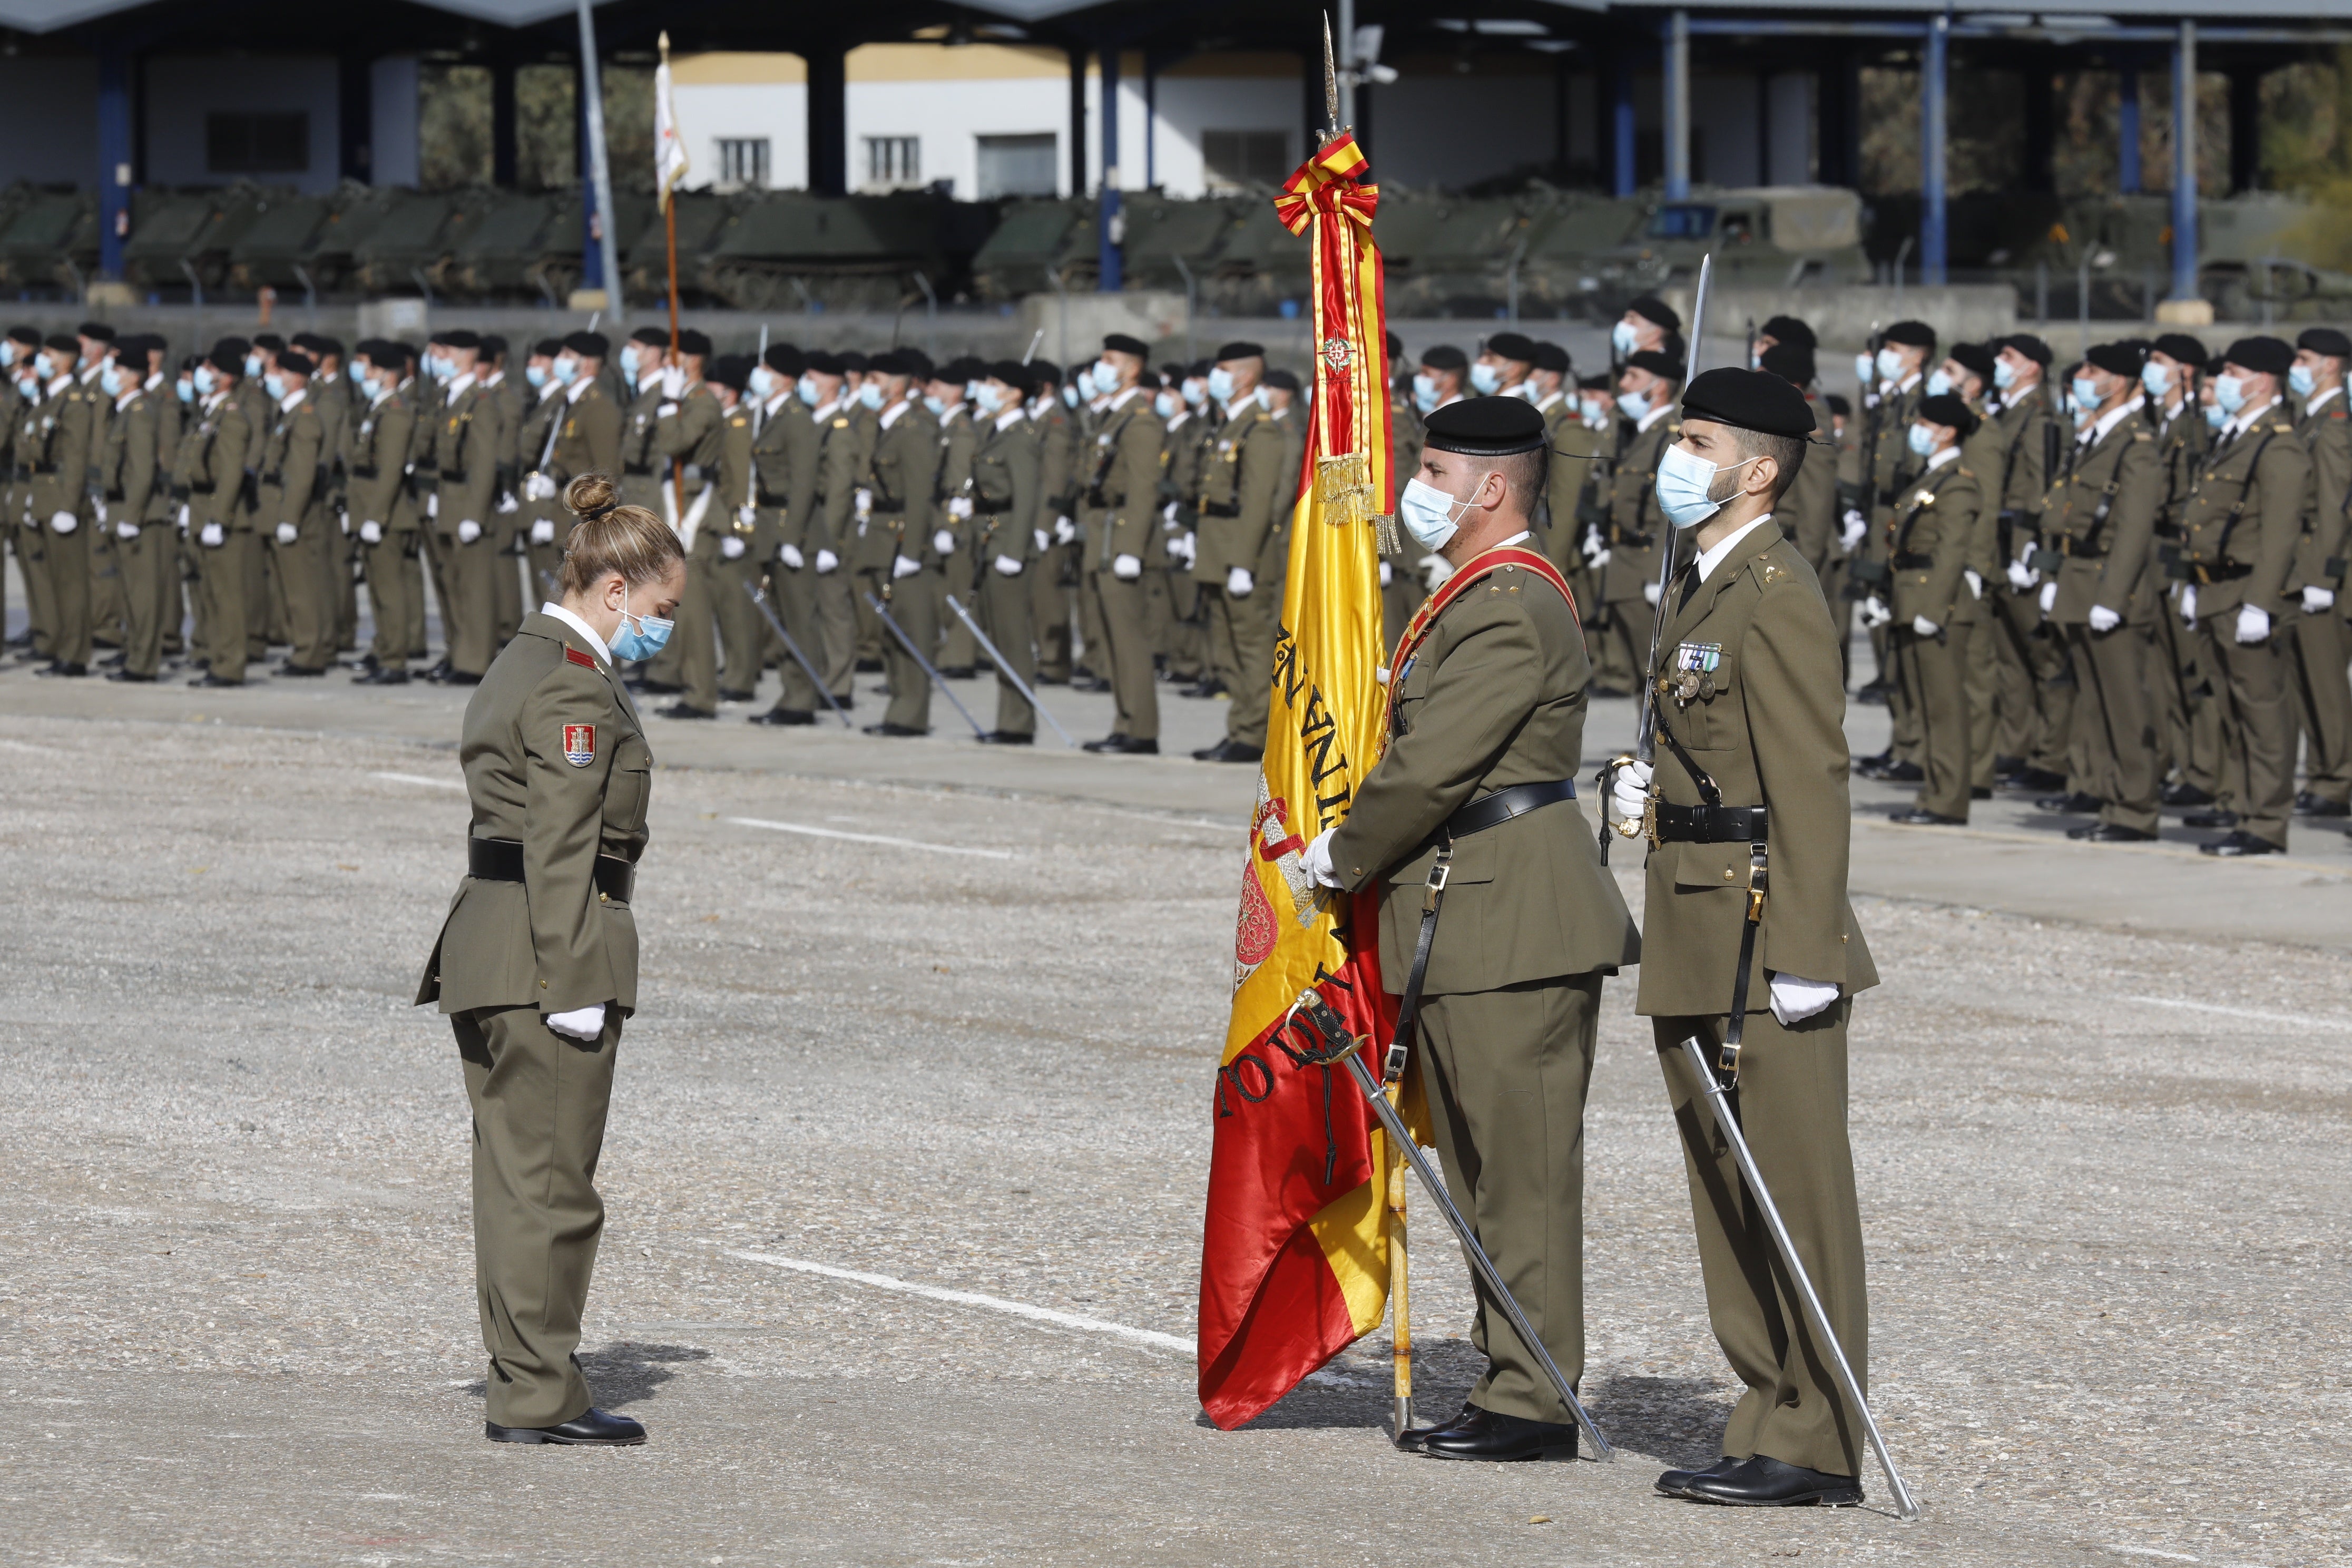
[(902, 567), (468, 530), (288, 533), (959, 508), (1185, 547), (2103, 619), (211, 536), (1595, 552), (2020, 577), (1007, 566), (1874, 612), (1599, 559), (2253, 623), (1044, 539), (1650, 593), (1629, 789), (672, 383), (789, 554), (64, 521), (863, 499), (1065, 531), (944, 541), (1318, 858), (373, 532), (2316, 599), (1386, 576), (1975, 583), (543, 531), (507, 504), (1168, 515), (2189, 603), (539, 487), (1924, 627), (182, 518), (343, 523), (130, 530), (1794, 1000), (2048, 597), (580, 1023), (826, 562), (99, 509), (1127, 568), (1851, 527), (1239, 583), (747, 516), (731, 547), (433, 504), (1434, 570)]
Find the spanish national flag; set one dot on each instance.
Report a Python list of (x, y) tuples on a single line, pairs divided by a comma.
[(1295, 1256)]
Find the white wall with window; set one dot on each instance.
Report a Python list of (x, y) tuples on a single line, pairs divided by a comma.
[(921, 114), (1219, 120), (732, 105), (269, 118)]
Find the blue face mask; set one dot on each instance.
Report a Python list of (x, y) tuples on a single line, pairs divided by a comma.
[(2230, 393), (111, 378), (1634, 403), (2156, 378), (2004, 374), (1070, 394), (187, 391), (763, 382), (1685, 480), (641, 639), (1221, 384), (274, 384), (870, 395), (1428, 513), (936, 405), (252, 365), (1624, 337), (2216, 415), (1939, 384), (809, 389), (567, 369), (207, 381), (1166, 403), (1923, 441), (1890, 365), (1865, 371), (1486, 378), (2087, 393), (629, 363), (536, 374), (2300, 381)]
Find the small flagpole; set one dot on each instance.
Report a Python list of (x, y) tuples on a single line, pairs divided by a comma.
[(1399, 1295), (669, 218)]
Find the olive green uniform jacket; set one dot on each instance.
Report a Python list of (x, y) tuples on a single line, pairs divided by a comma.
[(2242, 522)]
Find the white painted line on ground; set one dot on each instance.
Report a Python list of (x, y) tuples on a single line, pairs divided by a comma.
[(1152, 1337), (2300, 1020), (803, 827), (420, 779), (2152, 1551)]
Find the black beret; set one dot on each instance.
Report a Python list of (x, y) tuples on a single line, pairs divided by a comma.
[(461, 339), (588, 345), (226, 362), (1011, 371), (233, 344), (785, 359), (1148, 379), (1790, 330), (1650, 307), (729, 370), (308, 342), (1240, 351), (270, 340), (2265, 356), (1912, 335), (1486, 427), (1839, 405), (1949, 409), (29, 336), (297, 362), (1282, 381), (1444, 356), (1199, 369), (690, 341), (327, 345), (97, 332), (375, 351), (963, 368), (493, 345), (1593, 383), (2326, 341), (1748, 400), (1792, 362), (1974, 357), (1512, 346), (2117, 359), (915, 363), (849, 360), (658, 337), (1119, 343), (2027, 346), (2216, 365), (547, 348), (2184, 348), (63, 343), (1045, 372), (1551, 357), (1395, 345), (1656, 363), (889, 361), (822, 363)]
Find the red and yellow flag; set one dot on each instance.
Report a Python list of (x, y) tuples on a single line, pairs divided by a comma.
[(1293, 1263)]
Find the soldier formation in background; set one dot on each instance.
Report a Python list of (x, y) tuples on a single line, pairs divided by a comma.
[(2113, 585)]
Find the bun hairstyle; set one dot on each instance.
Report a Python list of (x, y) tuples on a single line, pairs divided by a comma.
[(610, 537)]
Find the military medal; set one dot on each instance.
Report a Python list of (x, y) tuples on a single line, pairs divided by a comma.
[(1693, 676)]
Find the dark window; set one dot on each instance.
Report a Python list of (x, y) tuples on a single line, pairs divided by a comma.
[(1019, 165), (1247, 157), (274, 143), (1681, 222)]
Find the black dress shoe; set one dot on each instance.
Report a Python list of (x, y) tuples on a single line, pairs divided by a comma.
[(1230, 752), (1487, 1434), (1765, 1482), (727, 696), (2238, 845), (1042, 678), (645, 686), (383, 675), (2076, 804), (1916, 818), (131, 675), (59, 667), (2216, 818), (2033, 781), (2309, 804), (1980, 792), (784, 716), (302, 670), (1674, 1482), (2183, 794), (461, 677), (1007, 737), (209, 679), (2108, 833), (1123, 745), (1211, 686), (596, 1429), (895, 731), (1876, 760), (438, 672), (870, 667), (1611, 691), (1089, 683), (1413, 1437), (685, 710), (1900, 772)]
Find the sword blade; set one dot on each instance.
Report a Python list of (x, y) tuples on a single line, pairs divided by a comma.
[(775, 623), (1645, 735), (916, 653), (998, 659), (1848, 1384)]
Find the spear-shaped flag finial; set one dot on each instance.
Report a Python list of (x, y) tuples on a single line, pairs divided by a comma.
[(1331, 80)]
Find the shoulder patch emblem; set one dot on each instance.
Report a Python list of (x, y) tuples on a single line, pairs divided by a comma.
[(576, 656), (580, 744)]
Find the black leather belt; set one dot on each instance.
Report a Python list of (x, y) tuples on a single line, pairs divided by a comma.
[(453, 476), (1710, 824), (203, 490), (1913, 560), (1221, 508), (2210, 572), (1494, 810), (890, 509), (500, 861), (988, 508), (367, 472), (2072, 551), (1631, 540)]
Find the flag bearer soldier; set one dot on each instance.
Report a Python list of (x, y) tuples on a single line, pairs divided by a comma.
[(383, 510), (1007, 500), (132, 507), (2240, 529), (1751, 771), (2318, 641), (1122, 495), (1926, 553), (58, 444), (1628, 560), (1486, 725), (1241, 495), (903, 479)]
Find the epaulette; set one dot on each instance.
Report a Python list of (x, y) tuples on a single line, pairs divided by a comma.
[(576, 656), (1967, 473), (2337, 414), (842, 424), (1768, 571), (2142, 435)]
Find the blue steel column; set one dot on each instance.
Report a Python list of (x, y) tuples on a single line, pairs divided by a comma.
[(1679, 106), (2184, 162), (2127, 131), (1107, 255), (1932, 72), (1623, 182), (113, 157)]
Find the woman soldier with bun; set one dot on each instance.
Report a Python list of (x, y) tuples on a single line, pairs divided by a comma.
[(537, 961)]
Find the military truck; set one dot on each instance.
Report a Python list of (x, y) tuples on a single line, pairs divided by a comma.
[(1443, 254), (1033, 243), (1769, 237), (276, 248), (789, 250), (50, 240)]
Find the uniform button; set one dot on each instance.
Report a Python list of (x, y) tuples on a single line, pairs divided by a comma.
[(543, 984), (1726, 877), (604, 897)]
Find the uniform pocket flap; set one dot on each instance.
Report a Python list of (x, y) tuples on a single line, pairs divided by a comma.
[(1474, 861), (1709, 865)]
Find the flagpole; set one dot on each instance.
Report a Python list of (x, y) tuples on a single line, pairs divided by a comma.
[(669, 220), (1401, 1322)]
